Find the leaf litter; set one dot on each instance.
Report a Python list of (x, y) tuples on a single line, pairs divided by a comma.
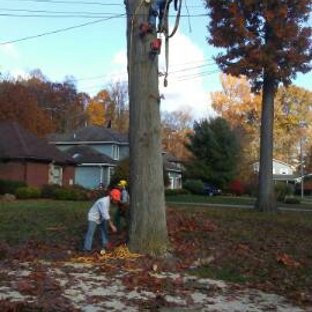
[(34, 280)]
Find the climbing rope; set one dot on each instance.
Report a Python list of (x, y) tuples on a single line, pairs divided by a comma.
[(165, 30), (121, 252)]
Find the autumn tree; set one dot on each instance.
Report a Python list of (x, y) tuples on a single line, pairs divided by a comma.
[(215, 152), (109, 108), (176, 126), (61, 101), (18, 104), (268, 42), (148, 229), (242, 109), (119, 107), (97, 107), (293, 119)]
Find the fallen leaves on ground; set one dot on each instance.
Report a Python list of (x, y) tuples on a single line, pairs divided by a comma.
[(253, 253)]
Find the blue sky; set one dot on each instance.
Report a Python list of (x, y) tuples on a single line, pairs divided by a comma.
[(96, 54)]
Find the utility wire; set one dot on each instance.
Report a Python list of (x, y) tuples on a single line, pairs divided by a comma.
[(191, 68), (76, 15), (171, 72), (67, 2), (62, 29), (186, 78), (83, 3), (53, 16), (51, 12), (198, 75)]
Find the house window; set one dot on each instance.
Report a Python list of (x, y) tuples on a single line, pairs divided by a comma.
[(110, 172), (115, 152), (55, 174)]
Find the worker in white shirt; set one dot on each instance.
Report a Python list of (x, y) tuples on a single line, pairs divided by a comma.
[(98, 216)]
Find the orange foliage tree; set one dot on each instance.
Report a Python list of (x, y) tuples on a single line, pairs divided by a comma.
[(268, 41)]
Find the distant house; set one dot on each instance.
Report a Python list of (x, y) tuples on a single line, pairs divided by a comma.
[(174, 169), (24, 157), (282, 172), (97, 150)]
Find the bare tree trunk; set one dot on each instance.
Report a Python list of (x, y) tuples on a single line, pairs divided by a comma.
[(266, 199), (148, 229)]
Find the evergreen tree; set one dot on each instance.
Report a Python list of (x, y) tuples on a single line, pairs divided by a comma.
[(215, 149)]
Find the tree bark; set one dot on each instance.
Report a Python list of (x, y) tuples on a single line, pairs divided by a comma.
[(148, 229), (266, 199)]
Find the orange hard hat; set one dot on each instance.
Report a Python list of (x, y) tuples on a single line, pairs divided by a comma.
[(115, 194)]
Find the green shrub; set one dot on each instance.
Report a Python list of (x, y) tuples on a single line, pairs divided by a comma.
[(169, 192), (28, 192), (282, 190), (10, 186), (71, 193), (194, 186), (48, 191), (291, 200)]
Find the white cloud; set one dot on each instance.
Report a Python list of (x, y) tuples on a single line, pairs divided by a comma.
[(185, 86), (9, 50), (120, 58)]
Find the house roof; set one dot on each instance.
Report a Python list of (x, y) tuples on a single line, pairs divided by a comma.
[(285, 177), (90, 134), (86, 154), (19, 143), (171, 162)]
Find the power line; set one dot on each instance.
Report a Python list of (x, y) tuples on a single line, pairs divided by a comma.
[(83, 3), (191, 68), (67, 2), (182, 78), (51, 12), (52, 16), (171, 72), (74, 14), (198, 75), (61, 30)]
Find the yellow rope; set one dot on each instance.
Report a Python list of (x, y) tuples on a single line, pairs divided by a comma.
[(121, 252)]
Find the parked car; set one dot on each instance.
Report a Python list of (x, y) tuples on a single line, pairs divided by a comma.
[(211, 190)]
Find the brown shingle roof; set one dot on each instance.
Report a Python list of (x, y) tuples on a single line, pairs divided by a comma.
[(19, 143)]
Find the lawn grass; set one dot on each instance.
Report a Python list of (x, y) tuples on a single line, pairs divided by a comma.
[(306, 203), (270, 252), (41, 220), (227, 200)]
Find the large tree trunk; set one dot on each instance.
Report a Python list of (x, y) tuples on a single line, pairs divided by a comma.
[(266, 199), (148, 229)]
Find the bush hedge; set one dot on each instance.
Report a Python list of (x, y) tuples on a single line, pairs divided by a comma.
[(48, 190), (291, 200), (71, 193), (169, 192), (10, 186), (194, 186), (282, 190), (28, 192)]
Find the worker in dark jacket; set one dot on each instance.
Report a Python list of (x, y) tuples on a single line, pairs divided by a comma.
[(122, 210)]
